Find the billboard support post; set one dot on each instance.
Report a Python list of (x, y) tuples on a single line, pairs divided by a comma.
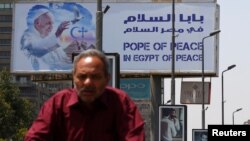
[(173, 56), (99, 24)]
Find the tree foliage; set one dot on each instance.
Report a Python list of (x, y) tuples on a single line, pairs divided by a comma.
[(16, 113)]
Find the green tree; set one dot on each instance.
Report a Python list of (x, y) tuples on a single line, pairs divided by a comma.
[(16, 113)]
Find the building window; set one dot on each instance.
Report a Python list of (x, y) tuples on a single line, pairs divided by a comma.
[(23, 80), (4, 54), (4, 6), (4, 66), (5, 42), (5, 29), (5, 18)]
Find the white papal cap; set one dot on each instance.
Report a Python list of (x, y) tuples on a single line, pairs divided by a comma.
[(35, 12)]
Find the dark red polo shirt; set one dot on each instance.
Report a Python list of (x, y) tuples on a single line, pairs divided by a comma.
[(63, 117)]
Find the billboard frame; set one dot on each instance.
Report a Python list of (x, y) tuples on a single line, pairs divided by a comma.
[(194, 96), (131, 68), (181, 111), (196, 134)]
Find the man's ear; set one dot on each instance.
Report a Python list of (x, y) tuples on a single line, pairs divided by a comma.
[(36, 24)]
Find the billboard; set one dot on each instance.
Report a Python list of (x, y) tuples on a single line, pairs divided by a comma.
[(140, 32), (144, 34), (199, 135), (172, 123), (48, 34), (136, 88), (191, 92)]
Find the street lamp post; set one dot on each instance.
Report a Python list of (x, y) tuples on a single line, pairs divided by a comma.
[(205, 111), (222, 91), (237, 110), (168, 101), (203, 91)]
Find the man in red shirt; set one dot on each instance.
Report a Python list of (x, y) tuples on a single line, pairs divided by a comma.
[(91, 111)]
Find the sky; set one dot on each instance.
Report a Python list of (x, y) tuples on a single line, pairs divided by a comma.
[(234, 41)]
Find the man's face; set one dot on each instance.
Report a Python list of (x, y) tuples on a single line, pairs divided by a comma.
[(89, 78), (44, 24), (173, 114)]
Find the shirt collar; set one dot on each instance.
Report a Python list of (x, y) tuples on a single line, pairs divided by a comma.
[(103, 99), (74, 99)]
